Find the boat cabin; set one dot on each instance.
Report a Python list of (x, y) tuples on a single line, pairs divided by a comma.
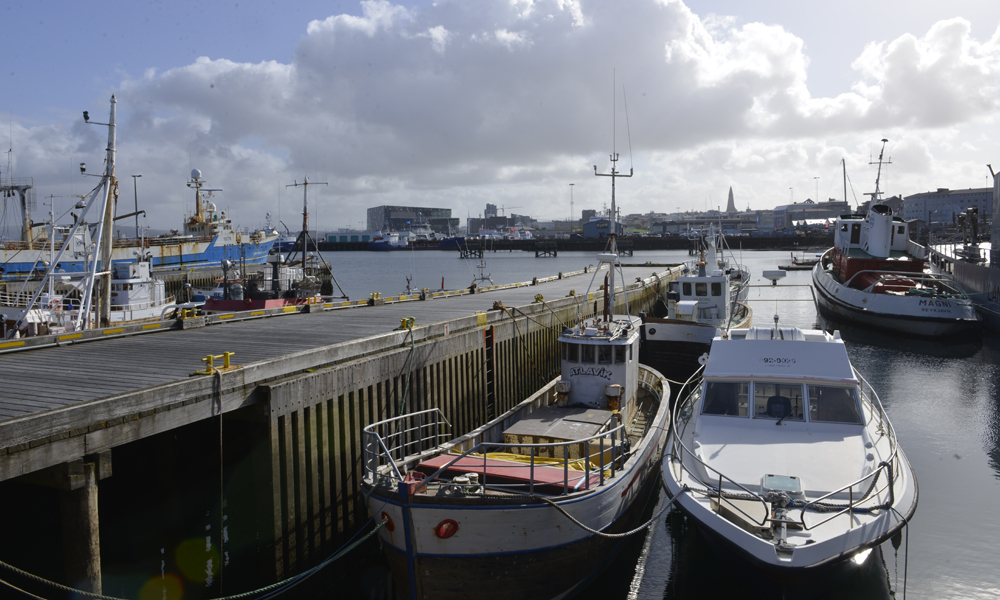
[(700, 299), (875, 242), (133, 287), (764, 379), (799, 380), (600, 364)]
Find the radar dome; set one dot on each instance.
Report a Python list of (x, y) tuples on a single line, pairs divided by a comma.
[(195, 174)]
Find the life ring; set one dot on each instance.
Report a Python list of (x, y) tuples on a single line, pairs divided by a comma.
[(55, 304), (11, 246)]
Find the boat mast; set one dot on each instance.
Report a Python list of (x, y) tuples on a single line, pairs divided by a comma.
[(106, 229), (843, 163), (877, 193), (612, 247)]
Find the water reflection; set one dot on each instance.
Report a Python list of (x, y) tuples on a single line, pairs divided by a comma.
[(955, 347), (698, 569)]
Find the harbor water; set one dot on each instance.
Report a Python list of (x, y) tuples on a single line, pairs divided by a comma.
[(943, 399)]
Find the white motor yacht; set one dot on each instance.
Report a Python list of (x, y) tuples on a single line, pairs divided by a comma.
[(783, 454)]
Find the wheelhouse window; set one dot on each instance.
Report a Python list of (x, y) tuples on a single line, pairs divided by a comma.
[(686, 286), (701, 289), (833, 404), (587, 355), (604, 355), (620, 354), (726, 398), (716, 289), (571, 352), (778, 401)]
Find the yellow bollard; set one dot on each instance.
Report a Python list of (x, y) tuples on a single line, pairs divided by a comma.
[(210, 364)]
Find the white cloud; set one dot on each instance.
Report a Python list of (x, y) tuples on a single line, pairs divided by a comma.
[(459, 101)]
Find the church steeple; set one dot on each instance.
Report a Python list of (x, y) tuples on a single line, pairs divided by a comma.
[(731, 206)]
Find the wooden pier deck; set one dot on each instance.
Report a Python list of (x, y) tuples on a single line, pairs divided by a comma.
[(35, 381)]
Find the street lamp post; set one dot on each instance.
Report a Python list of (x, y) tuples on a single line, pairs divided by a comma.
[(135, 189), (817, 189)]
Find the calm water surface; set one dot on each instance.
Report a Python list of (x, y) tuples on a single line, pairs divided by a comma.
[(943, 400)]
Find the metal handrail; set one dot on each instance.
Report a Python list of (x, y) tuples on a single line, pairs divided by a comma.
[(877, 410), (379, 451), (677, 443)]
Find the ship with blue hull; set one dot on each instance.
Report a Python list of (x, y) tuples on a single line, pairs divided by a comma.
[(207, 239)]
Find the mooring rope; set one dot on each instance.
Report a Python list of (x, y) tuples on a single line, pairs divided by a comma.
[(286, 583), (617, 535)]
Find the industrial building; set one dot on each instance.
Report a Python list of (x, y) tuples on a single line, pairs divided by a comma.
[(402, 218)]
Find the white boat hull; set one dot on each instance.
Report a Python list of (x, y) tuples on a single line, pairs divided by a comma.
[(529, 546), (912, 315)]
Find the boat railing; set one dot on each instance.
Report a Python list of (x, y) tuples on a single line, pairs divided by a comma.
[(889, 467), (916, 250), (21, 299), (934, 279), (678, 450), (390, 442), (579, 460), (140, 306)]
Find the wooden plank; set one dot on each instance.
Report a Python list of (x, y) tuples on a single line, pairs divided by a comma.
[(301, 493), (323, 457), (313, 483)]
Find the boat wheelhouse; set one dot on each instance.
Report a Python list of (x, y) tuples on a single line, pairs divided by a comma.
[(783, 454), (700, 307)]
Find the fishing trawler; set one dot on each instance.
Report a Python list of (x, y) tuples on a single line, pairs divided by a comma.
[(68, 299), (208, 238), (700, 307), (521, 505), (783, 455), (874, 275)]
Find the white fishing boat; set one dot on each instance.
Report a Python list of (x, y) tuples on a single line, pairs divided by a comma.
[(783, 455), (700, 307), (86, 296), (874, 275), (713, 249), (521, 506)]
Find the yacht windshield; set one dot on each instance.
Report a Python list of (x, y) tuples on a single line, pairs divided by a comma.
[(833, 404), (778, 401), (726, 398)]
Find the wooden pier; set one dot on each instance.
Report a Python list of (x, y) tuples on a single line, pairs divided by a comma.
[(277, 433)]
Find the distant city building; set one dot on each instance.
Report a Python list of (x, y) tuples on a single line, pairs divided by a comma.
[(491, 211), (944, 204), (600, 228), (783, 217), (731, 205), (588, 214), (401, 218)]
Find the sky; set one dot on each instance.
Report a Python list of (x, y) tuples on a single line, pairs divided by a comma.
[(459, 103)]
